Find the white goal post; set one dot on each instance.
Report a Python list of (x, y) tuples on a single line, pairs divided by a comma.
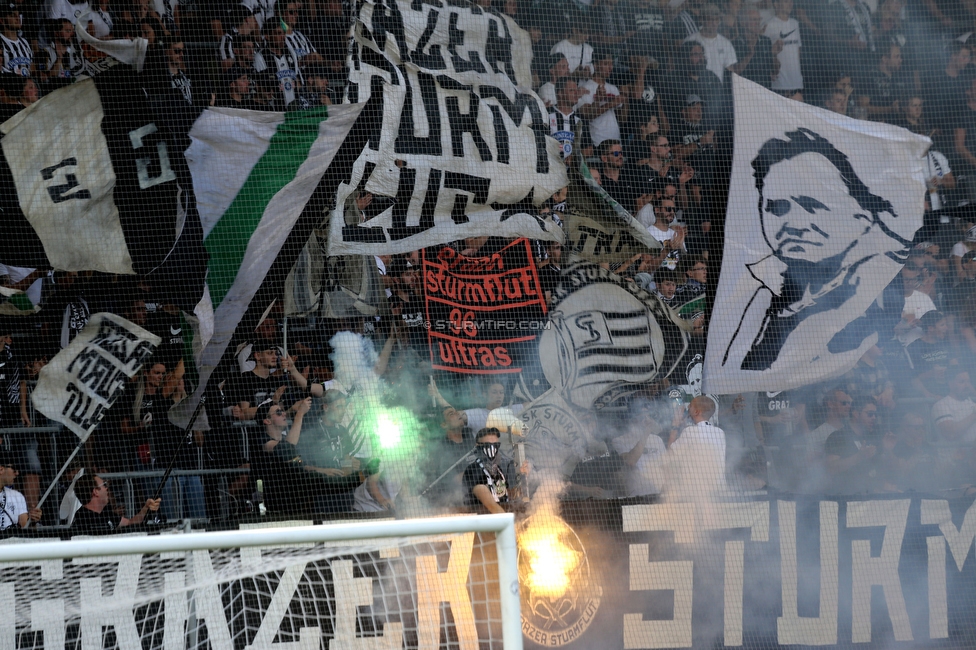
[(503, 527)]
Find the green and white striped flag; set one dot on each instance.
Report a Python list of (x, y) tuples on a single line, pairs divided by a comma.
[(254, 175)]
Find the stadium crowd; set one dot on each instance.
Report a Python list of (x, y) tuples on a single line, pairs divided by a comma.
[(641, 90)]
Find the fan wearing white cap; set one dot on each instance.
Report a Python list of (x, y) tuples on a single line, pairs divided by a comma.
[(967, 245), (13, 506)]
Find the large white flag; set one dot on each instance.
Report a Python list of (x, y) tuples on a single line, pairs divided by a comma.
[(464, 149), (85, 378), (821, 214)]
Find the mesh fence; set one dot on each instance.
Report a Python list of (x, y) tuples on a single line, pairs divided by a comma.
[(687, 286)]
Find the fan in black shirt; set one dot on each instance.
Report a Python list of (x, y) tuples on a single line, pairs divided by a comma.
[(276, 461), (93, 519)]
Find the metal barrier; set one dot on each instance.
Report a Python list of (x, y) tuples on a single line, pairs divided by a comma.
[(129, 479)]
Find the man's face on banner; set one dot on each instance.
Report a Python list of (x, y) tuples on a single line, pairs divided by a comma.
[(807, 212)]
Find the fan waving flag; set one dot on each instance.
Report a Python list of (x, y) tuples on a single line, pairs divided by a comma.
[(822, 211), (90, 181), (264, 181)]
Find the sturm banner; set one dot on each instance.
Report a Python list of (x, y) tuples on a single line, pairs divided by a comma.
[(764, 573), (484, 312), (821, 214), (464, 149), (84, 379)]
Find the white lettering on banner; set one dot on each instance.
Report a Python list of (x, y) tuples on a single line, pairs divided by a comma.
[(176, 610), (674, 576), (755, 517), (85, 378), (434, 588), (106, 592), (938, 590), (166, 173), (308, 637), (791, 628), (98, 611), (350, 594), (959, 541), (882, 570), (8, 624), (46, 615), (458, 116), (681, 519), (207, 603)]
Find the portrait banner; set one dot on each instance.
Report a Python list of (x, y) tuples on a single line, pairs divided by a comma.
[(821, 215), (483, 313), (464, 148), (84, 379)]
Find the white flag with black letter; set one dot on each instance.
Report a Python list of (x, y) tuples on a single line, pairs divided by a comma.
[(821, 214), (85, 378), (464, 149)]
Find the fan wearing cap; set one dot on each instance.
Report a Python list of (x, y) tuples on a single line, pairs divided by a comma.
[(967, 245), (13, 506), (692, 137), (18, 57), (265, 381), (407, 302), (235, 89), (275, 459)]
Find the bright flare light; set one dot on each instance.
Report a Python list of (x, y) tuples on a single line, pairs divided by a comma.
[(388, 428), (550, 561)]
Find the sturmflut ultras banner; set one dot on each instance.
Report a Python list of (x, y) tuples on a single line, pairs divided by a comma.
[(464, 148), (483, 313), (84, 379), (821, 215)]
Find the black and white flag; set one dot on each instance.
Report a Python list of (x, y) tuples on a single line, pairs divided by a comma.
[(464, 148), (821, 214), (84, 379), (89, 181)]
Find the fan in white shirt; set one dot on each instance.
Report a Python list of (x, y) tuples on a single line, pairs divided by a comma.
[(719, 51), (578, 53), (13, 506), (786, 30), (696, 458), (602, 103)]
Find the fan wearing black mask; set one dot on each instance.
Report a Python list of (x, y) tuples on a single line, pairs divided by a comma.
[(485, 482)]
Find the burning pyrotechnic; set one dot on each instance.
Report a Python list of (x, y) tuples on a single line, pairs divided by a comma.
[(549, 562)]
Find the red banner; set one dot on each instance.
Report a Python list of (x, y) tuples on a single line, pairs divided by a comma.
[(484, 312)]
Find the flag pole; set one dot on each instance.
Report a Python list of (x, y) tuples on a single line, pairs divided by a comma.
[(179, 450), (64, 467)]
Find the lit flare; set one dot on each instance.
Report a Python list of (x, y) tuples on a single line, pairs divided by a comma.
[(551, 562)]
